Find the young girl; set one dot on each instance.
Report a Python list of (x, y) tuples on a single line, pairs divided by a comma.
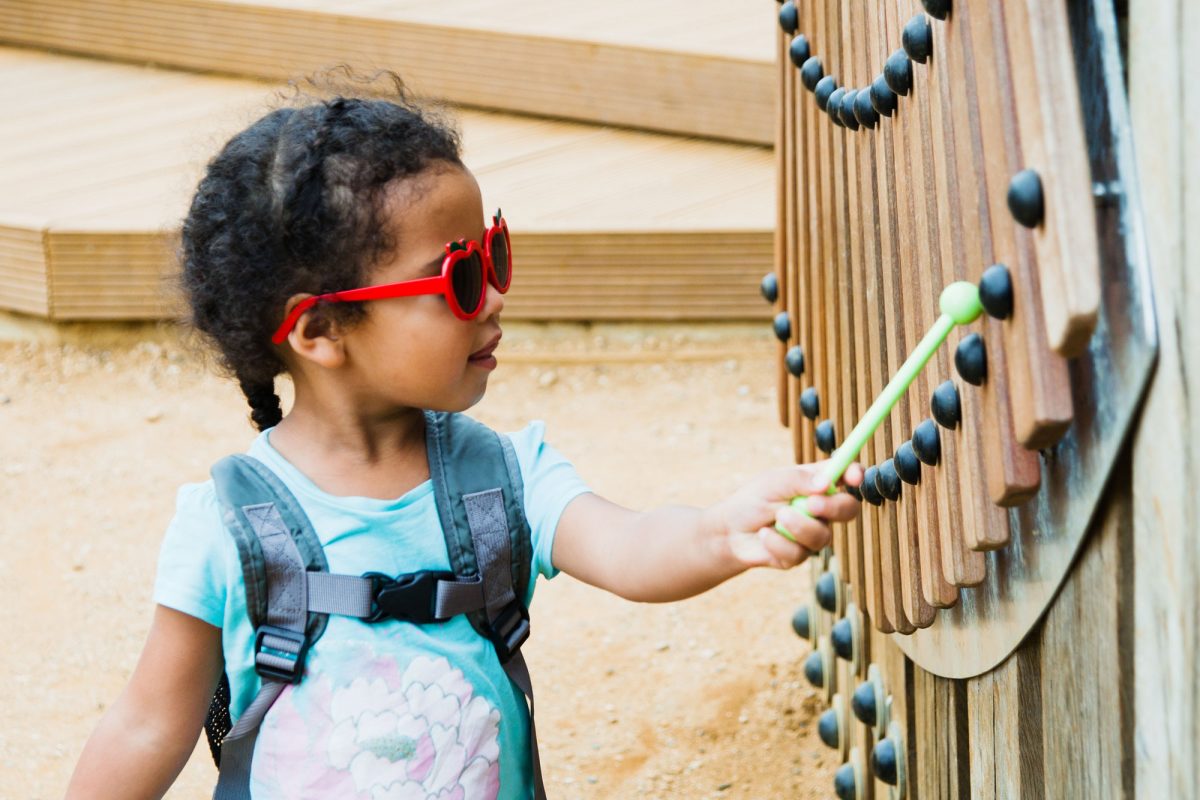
[(304, 204)]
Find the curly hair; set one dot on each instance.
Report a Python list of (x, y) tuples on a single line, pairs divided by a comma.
[(295, 203)]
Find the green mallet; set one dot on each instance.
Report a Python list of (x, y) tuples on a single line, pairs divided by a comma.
[(960, 306)]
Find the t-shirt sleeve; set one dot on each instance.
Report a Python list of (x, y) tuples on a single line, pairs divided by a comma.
[(193, 561), (550, 484)]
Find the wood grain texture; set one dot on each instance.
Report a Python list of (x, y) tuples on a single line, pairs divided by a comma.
[(1164, 57)]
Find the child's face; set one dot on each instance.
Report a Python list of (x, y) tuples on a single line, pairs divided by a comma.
[(413, 351)]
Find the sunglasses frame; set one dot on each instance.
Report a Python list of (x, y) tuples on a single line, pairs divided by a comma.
[(440, 284)]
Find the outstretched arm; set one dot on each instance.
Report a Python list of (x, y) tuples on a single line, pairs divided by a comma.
[(145, 738), (675, 552)]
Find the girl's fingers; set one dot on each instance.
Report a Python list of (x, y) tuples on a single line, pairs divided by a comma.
[(839, 507), (853, 475), (811, 534), (780, 552)]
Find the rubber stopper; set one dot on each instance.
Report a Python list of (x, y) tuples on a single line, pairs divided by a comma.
[(938, 9), (927, 443), (960, 302), (917, 38), (869, 492), (842, 637), (789, 19), (945, 405), (854, 492), (801, 622), (862, 703), (864, 109), (834, 107), (996, 291), (811, 72), (1025, 198), (824, 89), (849, 121), (883, 761), (814, 669), (887, 481), (882, 96), (769, 287), (908, 466), (794, 360), (827, 592), (897, 71), (798, 50), (810, 403), (782, 326), (845, 783), (827, 729), (826, 436), (970, 359)]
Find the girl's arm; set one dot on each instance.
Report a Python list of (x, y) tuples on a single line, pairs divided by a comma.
[(145, 738), (675, 552)]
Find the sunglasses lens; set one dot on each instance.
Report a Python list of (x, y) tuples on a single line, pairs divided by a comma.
[(501, 258), (467, 282)]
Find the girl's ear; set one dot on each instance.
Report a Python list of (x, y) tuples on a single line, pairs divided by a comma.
[(316, 337)]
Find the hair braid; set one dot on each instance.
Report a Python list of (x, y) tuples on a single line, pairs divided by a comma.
[(265, 410)]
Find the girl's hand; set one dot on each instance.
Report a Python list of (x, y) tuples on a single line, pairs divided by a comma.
[(747, 518)]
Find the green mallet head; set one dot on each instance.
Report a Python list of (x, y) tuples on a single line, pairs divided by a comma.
[(960, 302)]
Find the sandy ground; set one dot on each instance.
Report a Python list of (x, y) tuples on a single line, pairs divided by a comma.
[(703, 698)]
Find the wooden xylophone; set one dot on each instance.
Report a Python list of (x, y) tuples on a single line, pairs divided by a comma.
[(920, 144)]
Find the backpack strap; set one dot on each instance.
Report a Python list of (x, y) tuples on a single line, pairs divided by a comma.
[(487, 535), (277, 548)]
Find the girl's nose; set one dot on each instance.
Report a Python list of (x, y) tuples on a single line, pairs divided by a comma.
[(493, 302)]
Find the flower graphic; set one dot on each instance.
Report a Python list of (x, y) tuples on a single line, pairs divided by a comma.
[(381, 736)]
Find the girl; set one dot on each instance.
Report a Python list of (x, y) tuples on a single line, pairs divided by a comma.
[(303, 205)]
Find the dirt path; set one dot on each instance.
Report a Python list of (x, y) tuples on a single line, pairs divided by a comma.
[(703, 698)]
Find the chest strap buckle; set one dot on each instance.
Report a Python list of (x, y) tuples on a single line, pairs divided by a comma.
[(409, 598)]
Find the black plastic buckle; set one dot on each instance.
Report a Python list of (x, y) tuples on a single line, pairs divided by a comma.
[(510, 630), (291, 675), (411, 597)]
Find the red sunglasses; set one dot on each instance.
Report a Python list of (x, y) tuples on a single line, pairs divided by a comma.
[(466, 270)]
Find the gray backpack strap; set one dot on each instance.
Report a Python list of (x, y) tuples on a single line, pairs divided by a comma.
[(480, 499), (277, 548)]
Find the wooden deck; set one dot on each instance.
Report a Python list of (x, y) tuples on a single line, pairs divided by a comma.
[(695, 67), (99, 160)]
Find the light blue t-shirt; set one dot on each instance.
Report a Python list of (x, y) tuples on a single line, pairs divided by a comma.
[(385, 711)]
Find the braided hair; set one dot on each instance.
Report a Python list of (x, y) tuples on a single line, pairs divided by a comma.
[(295, 203)]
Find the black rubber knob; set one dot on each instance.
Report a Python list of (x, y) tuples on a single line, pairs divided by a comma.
[(814, 669), (897, 72), (883, 760), (927, 443), (908, 466), (847, 110), (795, 360), (970, 359), (828, 729), (946, 406), (834, 107), (810, 403), (769, 287), (827, 591), (938, 9), (869, 492), (864, 109), (862, 702), (799, 50), (882, 96), (844, 781), (801, 622), (822, 91), (826, 436), (996, 291), (783, 326), (854, 492), (842, 637), (1025, 198), (811, 72), (887, 480), (917, 38), (789, 19)]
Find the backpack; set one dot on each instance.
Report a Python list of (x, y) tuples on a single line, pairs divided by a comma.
[(290, 592)]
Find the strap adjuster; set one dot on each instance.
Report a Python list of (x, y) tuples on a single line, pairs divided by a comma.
[(279, 653), (410, 598), (510, 630)]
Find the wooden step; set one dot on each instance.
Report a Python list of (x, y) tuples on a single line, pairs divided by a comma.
[(97, 170), (696, 67)]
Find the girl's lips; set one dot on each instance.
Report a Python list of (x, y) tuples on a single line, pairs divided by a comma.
[(486, 352)]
